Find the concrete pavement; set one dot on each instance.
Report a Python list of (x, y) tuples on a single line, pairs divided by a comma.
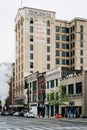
[(70, 119)]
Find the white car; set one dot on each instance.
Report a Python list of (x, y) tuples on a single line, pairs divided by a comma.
[(26, 114), (31, 115), (16, 114)]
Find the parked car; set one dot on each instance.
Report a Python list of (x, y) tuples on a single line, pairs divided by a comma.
[(31, 115), (21, 113), (6, 113), (11, 113), (16, 113), (26, 114)]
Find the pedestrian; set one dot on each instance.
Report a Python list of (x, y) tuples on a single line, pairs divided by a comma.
[(39, 114)]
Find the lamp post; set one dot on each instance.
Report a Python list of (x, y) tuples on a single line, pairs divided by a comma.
[(43, 105), (28, 98)]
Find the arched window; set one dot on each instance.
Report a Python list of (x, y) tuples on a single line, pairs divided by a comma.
[(31, 20)]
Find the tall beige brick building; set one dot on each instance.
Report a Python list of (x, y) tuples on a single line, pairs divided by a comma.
[(44, 42)]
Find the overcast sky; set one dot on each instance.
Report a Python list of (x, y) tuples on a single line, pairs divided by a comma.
[(65, 9)]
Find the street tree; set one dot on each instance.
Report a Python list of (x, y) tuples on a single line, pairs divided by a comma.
[(58, 97)]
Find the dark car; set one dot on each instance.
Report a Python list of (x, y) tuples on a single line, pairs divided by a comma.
[(5, 113), (21, 114), (11, 113)]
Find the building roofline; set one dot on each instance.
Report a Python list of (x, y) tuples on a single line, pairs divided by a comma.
[(36, 9), (74, 19)]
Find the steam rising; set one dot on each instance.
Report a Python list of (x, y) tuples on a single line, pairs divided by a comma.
[(5, 76)]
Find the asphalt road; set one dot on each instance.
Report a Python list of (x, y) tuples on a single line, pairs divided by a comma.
[(21, 123)]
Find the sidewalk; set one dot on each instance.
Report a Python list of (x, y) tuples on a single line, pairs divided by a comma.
[(71, 119), (67, 119)]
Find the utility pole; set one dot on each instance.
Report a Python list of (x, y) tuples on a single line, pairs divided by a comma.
[(28, 98)]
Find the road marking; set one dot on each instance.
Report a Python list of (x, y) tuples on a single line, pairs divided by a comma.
[(3, 123)]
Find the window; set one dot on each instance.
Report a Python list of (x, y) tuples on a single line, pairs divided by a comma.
[(67, 30), (48, 23), (63, 29), (31, 38), (81, 44), (67, 46), (47, 84), (57, 37), (48, 66), (81, 67), (31, 29), (48, 31), (34, 86), (57, 53), (63, 53), (31, 20), (67, 54), (31, 47), (63, 45), (57, 45), (73, 61), (73, 44), (31, 64), (31, 55), (81, 28), (79, 87), (57, 29), (56, 82), (48, 40), (73, 52), (48, 57), (67, 62), (81, 60), (40, 97), (70, 89), (52, 83), (34, 98), (72, 36), (67, 38), (81, 52), (63, 38), (72, 29), (63, 61), (81, 36), (57, 61), (48, 48)]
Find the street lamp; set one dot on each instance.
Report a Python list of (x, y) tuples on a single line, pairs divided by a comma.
[(28, 98)]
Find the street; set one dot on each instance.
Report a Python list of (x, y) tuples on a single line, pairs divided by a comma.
[(21, 123)]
